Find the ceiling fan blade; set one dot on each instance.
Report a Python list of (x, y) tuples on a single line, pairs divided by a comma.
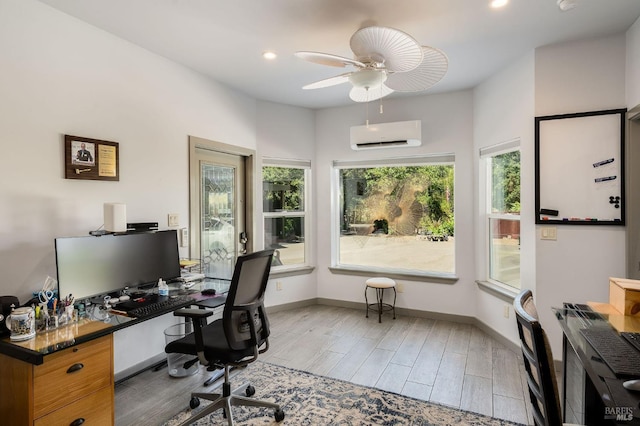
[(327, 82), (429, 72), (360, 94), (328, 59), (397, 50)]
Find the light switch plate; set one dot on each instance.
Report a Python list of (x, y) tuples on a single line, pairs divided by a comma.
[(548, 233), (174, 219)]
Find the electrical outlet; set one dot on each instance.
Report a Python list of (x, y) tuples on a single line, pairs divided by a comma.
[(173, 220), (184, 237), (400, 287), (506, 311), (278, 285)]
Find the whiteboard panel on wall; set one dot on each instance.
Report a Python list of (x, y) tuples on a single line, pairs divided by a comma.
[(580, 168)]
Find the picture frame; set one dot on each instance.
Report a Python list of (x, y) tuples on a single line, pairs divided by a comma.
[(580, 168), (91, 159)]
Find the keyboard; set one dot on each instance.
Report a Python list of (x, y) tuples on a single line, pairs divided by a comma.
[(621, 357), (154, 304), (633, 338)]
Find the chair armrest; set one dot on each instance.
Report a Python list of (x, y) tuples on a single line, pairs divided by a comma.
[(193, 313)]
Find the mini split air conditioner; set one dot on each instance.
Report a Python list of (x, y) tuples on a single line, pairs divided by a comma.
[(386, 135)]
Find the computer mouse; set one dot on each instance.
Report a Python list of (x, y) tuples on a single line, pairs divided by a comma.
[(632, 385), (208, 292)]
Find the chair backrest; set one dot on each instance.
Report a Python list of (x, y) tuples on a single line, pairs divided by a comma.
[(245, 300), (538, 361)]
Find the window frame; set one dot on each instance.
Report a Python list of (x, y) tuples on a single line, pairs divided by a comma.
[(336, 193), (305, 213), (486, 156)]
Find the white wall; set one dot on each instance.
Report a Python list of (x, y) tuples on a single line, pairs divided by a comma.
[(577, 77), (60, 76), (287, 132), (633, 65), (446, 127), (503, 111)]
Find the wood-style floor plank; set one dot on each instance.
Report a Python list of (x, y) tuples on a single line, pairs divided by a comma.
[(433, 360)]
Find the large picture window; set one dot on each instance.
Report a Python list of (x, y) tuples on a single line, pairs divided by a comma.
[(285, 205), (503, 213), (397, 215)]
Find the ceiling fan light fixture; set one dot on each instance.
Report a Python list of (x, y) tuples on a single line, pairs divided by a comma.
[(368, 78), (565, 5)]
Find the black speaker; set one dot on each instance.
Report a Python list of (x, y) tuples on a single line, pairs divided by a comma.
[(6, 304)]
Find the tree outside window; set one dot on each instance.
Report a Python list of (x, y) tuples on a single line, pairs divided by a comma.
[(398, 217), (284, 209), (504, 218)]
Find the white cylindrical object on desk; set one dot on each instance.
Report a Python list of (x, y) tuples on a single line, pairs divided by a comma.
[(115, 217)]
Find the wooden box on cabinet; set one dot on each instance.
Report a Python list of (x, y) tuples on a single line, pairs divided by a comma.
[(624, 295), (65, 388)]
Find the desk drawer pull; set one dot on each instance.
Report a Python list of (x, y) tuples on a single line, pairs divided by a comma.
[(77, 422), (73, 369)]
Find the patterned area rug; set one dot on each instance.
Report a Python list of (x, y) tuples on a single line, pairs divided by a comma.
[(313, 400)]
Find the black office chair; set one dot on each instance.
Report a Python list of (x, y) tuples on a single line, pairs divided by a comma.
[(538, 362), (233, 341)]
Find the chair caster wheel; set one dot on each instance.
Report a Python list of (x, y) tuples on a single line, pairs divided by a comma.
[(250, 391), (194, 403), (278, 415)]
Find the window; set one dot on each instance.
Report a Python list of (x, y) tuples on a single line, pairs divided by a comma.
[(502, 164), (396, 215), (284, 186)]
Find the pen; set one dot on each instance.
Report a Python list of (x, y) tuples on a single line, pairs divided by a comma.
[(55, 303)]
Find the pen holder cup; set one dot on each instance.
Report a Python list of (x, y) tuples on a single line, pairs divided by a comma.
[(61, 318), (175, 362)]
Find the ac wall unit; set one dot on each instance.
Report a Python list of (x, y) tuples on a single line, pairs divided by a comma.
[(386, 135)]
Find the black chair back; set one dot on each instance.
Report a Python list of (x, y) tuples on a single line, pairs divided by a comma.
[(245, 301), (538, 361)]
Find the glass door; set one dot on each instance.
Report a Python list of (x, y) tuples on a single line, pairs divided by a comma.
[(219, 200), (217, 209)]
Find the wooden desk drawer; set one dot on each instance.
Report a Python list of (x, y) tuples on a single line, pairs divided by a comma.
[(71, 374), (94, 409)]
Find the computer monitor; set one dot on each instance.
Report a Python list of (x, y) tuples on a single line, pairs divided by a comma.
[(92, 266)]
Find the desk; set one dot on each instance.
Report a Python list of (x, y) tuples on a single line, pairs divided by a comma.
[(592, 394), (66, 374)]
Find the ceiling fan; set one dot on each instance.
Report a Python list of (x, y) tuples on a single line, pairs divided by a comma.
[(386, 60)]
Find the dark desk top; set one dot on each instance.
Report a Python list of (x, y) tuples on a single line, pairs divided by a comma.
[(99, 323), (608, 386)]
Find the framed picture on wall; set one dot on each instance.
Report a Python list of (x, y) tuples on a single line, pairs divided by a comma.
[(91, 159), (579, 166)]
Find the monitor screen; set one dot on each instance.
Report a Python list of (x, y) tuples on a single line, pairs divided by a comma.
[(91, 266)]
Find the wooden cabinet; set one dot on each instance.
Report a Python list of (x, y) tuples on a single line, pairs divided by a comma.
[(72, 384)]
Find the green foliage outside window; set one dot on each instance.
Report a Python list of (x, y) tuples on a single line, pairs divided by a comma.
[(505, 175), (283, 189), (411, 198)]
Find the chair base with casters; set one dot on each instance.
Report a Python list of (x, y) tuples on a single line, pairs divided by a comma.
[(228, 399), (380, 284)]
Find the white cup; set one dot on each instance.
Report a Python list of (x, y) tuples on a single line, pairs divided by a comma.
[(22, 323)]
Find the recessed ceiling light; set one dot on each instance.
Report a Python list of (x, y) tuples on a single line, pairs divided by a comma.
[(269, 55), (498, 3)]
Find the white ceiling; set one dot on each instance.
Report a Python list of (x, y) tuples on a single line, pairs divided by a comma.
[(224, 39)]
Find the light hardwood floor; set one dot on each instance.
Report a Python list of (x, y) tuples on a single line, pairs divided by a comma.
[(444, 362)]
